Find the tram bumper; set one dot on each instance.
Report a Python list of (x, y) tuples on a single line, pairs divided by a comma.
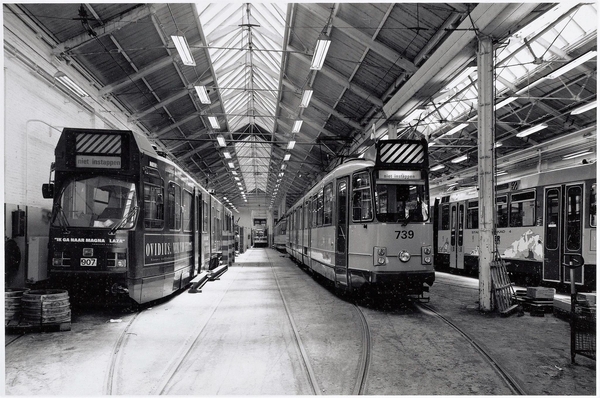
[(409, 282)]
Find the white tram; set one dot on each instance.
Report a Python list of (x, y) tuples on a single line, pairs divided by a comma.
[(539, 219), (368, 223)]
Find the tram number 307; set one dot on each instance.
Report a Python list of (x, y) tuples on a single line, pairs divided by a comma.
[(404, 234)]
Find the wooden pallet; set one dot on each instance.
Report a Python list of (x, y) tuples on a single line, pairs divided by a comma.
[(535, 307), (502, 288)]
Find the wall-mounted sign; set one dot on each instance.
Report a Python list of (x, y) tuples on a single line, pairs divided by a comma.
[(98, 161), (400, 174)]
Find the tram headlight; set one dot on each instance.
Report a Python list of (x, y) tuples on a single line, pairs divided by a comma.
[(121, 259), (379, 255), (426, 252), (404, 256), (61, 259)]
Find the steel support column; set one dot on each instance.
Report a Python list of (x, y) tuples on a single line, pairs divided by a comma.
[(485, 150)]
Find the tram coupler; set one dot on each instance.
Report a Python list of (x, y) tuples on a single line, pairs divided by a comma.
[(117, 289)]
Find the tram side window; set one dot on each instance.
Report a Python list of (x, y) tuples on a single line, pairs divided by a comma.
[(593, 206), (473, 215), (187, 211), (154, 217), (362, 209), (328, 204), (502, 211), (522, 209), (445, 217), (574, 218), (320, 208), (174, 195), (205, 215), (307, 214)]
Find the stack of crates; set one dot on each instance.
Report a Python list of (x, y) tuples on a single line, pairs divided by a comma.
[(536, 300)]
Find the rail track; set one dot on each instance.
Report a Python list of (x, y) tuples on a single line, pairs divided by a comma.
[(504, 375), (110, 386), (365, 359), (363, 372)]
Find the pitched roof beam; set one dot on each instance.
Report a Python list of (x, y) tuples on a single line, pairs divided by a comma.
[(341, 80), (363, 38), (109, 27)]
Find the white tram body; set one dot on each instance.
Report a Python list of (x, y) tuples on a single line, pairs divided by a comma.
[(540, 218), (367, 222)]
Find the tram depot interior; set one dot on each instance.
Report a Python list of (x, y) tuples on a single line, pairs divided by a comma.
[(259, 101)]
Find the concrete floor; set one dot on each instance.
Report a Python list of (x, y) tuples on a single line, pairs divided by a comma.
[(235, 338)]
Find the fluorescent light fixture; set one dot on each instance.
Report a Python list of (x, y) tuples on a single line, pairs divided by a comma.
[(584, 108), (572, 65), (530, 86), (231, 165), (221, 140), (306, 96), (236, 178), (455, 129), (461, 77), (413, 115), (320, 52), (70, 84), (214, 122), (460, 159), (498, 144), (297, 126), (578, 154), (239, 183), (532, 130), (183, 49), (505, 102), (291, 144), (234, 172), (226, 153), (283, 166), (281, 174), (202, 94), (287, 157), (501, 173), (437, 167)]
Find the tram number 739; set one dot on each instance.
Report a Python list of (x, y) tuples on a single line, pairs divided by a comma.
[(404, 234)]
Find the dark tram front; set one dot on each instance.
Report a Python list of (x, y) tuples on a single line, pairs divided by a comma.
[(126, 222)]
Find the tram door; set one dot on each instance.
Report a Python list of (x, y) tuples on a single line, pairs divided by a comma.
[(341, 248), (457, 219), (562, 230)]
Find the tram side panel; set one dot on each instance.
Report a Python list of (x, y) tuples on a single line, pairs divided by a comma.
[(551, 215)]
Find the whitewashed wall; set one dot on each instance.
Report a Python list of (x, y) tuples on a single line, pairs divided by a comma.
[(36, 109)]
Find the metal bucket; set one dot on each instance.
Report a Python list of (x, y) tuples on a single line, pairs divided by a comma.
[(46, 306)]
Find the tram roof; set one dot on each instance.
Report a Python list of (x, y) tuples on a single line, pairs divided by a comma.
[(402, 66)]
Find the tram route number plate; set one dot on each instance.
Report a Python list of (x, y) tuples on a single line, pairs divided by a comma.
[(88, 262)]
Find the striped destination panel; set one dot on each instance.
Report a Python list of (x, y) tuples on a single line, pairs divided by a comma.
[(402, 153), (109, 144)]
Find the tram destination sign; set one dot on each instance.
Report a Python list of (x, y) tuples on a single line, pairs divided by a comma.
[(98, 161), (400, 174)]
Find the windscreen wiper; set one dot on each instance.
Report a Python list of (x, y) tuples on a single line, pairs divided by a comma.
[(62, 218), (132, 214)]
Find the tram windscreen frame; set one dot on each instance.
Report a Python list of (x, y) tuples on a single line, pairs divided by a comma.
[(401, 201), (96, 202)]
